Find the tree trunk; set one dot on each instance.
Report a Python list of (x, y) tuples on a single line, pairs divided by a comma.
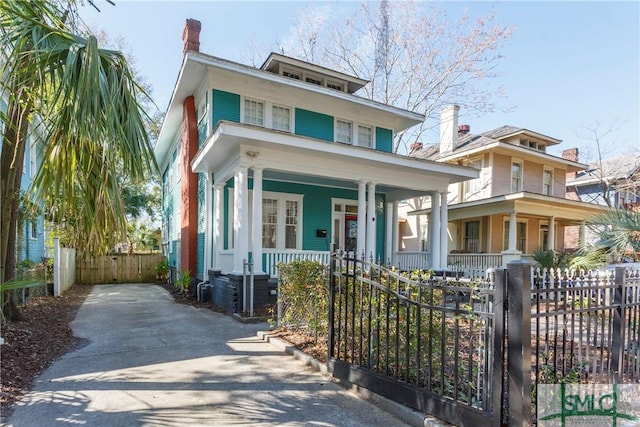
[(11, 165)]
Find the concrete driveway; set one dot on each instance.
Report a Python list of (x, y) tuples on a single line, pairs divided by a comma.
[(151, 362)]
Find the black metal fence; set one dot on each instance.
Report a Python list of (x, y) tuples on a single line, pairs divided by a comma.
[(425, 342), (473, 352)]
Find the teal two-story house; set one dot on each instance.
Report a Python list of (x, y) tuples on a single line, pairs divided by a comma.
[(281, 162), (30, 238)]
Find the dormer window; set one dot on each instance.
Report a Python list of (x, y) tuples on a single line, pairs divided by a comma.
[(313, 80), (291, 74), (335, 86)]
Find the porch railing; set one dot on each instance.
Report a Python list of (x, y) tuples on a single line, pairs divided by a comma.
[(409, 260), (272, 259)]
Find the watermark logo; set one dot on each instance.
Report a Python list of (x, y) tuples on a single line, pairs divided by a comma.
[(564, 405)]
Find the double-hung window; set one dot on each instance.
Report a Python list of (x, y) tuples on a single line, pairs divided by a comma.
[(547, 182), (472, 236), (344, 131), (472, 188), (281, 118), (254, 112), (365, 136), (281, 219), (516, 176)]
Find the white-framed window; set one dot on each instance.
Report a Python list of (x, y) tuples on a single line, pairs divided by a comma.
[(471, 237), (281, 220), (472, 188), (521, 235), (313, 80), (516, 176), (281, 118), (253, 112), (34, 229), (335, 85), (344, 131), (544, 234), (203, 116), (269, 223), (291, 74), (547, 182), (365, 136)]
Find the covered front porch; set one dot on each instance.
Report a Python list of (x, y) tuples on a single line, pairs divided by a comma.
[(269, 196), (492, 232)]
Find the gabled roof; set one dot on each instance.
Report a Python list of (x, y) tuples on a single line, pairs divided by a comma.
[(617, 168)]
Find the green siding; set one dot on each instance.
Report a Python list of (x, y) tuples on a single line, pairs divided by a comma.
[(380, 228), (316, 210), (314, 125), (202, 183), (384, 140), (226, 106)]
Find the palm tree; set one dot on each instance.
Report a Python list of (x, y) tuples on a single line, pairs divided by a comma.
[(87, 102), (619, 229)]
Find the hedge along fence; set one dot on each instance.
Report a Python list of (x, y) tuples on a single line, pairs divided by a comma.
[(303, 297), (121, 268)]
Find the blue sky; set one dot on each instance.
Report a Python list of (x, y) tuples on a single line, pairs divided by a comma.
[(568, 65)]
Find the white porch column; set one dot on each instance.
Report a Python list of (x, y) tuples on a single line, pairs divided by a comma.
[(551, 238), (207, 227), (362, 219), (256, 238), (512, 253), (582, 235), (218, 223), (444, 229), (434, 230), (512, 232), (370, 245), (240, 218)]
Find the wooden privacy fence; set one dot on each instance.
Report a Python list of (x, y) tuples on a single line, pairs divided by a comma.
[(138, 268)]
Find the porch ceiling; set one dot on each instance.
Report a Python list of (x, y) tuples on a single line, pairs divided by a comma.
[(288, 157), (524, 203)]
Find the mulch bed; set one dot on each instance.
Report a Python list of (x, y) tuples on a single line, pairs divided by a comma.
[(31, 345)]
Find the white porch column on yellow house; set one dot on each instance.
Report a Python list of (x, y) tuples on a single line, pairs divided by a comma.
[(444, 229), (551, 238), (256, 238), (513, 232), (581, 234), (391, 241), (362, 219), (206, 265), (434, 230), (218, 218), (370, 245), (240, 218), (512, 253)]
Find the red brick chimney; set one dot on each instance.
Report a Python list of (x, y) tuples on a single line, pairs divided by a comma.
[(571, 154), (191, 36)]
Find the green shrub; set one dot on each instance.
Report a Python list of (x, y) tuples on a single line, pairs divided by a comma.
[(183, 282)]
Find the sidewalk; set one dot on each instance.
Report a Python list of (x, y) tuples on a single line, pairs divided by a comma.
[(151, 362)]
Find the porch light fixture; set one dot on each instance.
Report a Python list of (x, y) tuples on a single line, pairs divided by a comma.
[(253, 154)]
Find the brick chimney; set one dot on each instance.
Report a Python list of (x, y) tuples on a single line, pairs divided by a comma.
[(463, 130), (571, 154), (448, 128), (191, 36)]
